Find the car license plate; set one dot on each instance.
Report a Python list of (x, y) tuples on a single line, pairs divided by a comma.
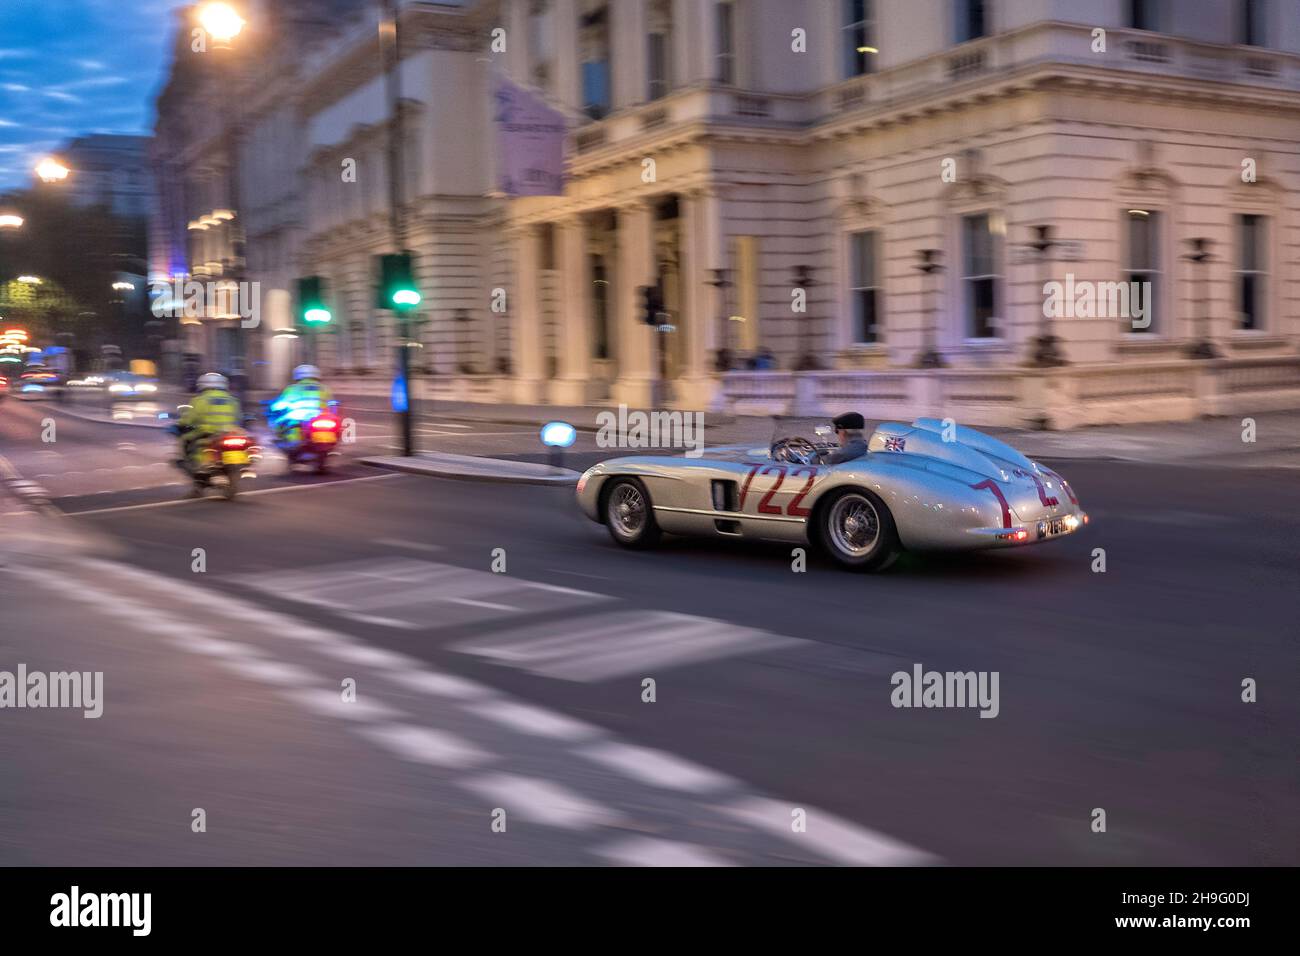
[(234, 458), (323, 438)]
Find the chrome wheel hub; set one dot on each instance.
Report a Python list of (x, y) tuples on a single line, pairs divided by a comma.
[(854, 525)]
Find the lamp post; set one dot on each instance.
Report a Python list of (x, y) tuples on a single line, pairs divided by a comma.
[(1200, 256), (722, 284), (223, 24), (808, 361), (927, 264), (391, 56), (1046, 353), (51, 170)]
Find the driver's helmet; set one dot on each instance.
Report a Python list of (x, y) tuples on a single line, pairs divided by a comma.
[(305, 371), (211, 380)]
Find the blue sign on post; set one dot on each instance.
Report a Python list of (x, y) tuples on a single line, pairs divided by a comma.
[(401, 400)]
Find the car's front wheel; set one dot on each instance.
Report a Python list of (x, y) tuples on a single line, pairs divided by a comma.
[(629, 515), (857, 530)]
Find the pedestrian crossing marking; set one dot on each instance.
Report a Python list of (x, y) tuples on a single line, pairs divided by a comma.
[(621, 644)]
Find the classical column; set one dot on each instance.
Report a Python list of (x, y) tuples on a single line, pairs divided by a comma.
[(527, 314), (627, 34), (635, 341), (573, 385), (567, 53), (698, 320), (695, 25)]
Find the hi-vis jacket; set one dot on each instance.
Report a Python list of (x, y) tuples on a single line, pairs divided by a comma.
[(213, 411)]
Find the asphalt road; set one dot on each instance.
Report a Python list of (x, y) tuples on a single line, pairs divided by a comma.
[(522, 691)]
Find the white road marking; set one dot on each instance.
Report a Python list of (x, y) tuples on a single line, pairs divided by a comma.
[(369, 656), (534, 720), (243, 494), (411, 545), (422, 745), (212, 647), (646, 851), (628, 642), (826, 835), (540, 801), (380, 621), (657, 768), (470, 602), (329, 702), (272, 672), (442, 685)]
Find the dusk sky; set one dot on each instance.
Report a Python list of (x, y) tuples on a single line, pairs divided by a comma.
[(69, 67)]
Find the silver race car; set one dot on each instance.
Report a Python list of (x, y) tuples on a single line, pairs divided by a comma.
[(912, 490)]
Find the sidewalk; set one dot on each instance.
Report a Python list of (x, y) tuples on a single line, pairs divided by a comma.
[(1277, 434)]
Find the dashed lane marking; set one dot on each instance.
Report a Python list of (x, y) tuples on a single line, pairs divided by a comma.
[(423, 745), (657, 768), (541, 801), (647, 851), (830, 837)]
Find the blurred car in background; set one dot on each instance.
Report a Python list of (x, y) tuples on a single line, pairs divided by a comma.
[(39, 382), (129, 386)]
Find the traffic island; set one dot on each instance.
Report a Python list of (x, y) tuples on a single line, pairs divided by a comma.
[(474, 468)]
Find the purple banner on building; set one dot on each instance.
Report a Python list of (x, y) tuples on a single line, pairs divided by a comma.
[(530, 143)]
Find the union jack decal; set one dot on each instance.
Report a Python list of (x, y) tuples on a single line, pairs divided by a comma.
[(895, 444)]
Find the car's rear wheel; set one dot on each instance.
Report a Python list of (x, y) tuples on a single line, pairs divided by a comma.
[(629, 515), (857, 530)]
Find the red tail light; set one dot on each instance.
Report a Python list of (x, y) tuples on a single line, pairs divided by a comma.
[(234, 443), (324, 424)]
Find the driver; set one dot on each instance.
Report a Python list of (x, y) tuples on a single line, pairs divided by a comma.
[(848, 432)]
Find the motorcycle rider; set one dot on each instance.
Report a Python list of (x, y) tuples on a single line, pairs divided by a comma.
[(213, 412), (304, 397)]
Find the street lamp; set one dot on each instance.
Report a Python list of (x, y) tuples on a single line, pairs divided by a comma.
[(11, 221), (50, 170), (928, 264), (221, 22), (1203, 347), (1046, 352), (30, 280)]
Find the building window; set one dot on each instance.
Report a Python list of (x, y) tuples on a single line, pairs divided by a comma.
[(970, 20), (981, 282), (864, 286), (539, 43), (594, 46), (600, 306), (1252, 22), (660, 50), (1252, 272), (1144, 264), (726, 53), (858, 36), (1142, 14)]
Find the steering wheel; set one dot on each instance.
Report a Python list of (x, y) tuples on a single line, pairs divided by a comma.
[(795, 450)]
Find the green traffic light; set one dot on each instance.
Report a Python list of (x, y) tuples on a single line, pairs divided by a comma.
[(406, 298), (317, 316)]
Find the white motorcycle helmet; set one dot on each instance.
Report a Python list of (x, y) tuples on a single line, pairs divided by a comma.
[(305, 371), (212, 380)]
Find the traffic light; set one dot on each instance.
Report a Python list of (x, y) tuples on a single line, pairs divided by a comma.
[(312, 310), (397, 288), (651, 304)]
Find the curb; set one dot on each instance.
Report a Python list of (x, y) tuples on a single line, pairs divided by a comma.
[(82, 416), (449, 470)]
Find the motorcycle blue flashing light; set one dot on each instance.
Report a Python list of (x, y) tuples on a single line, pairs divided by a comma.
[(558, 434)]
